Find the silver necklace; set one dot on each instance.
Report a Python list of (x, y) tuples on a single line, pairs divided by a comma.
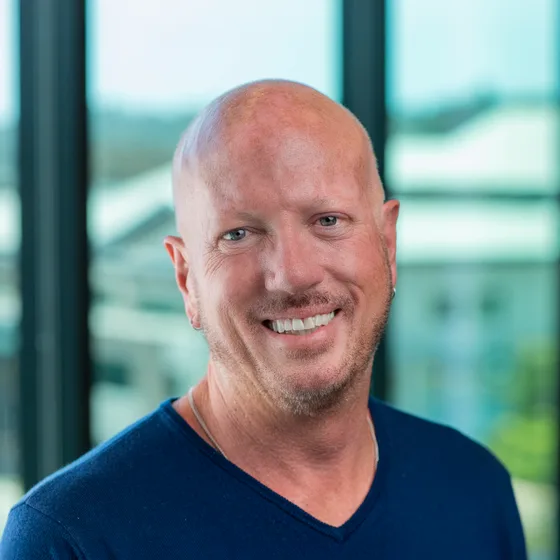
[(216, 445), (202, 423)]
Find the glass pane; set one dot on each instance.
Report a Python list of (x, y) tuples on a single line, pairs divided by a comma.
[(483, 231), (473, 335), (485, 361), (472, 105), (143, 92), (10, 484)]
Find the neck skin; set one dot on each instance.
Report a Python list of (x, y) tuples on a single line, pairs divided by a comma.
[(325, 465)]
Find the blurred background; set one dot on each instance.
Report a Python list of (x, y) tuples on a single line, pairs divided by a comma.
[(461, 100)]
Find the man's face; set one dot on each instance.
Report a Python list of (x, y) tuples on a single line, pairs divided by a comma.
[(290, 271)]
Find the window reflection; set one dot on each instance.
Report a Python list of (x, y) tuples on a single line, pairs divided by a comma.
[(473, 155)]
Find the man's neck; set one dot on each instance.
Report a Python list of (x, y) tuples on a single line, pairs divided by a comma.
[(324, 465)]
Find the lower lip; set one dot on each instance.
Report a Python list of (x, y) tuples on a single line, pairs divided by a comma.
[(321, 335)]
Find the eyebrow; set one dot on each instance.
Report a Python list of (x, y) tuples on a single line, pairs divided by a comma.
[(322, 202), (313, 204)]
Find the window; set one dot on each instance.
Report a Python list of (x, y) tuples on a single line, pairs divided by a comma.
[(472, 154), (143, 92), (10, 484)]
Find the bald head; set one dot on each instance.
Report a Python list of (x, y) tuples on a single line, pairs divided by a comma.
[(261, 126), (280, 210)]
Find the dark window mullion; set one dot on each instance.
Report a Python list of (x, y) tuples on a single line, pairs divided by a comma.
[(364, 79), (54, 356)]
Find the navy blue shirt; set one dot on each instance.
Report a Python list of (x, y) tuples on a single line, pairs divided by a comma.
[(158, 490)]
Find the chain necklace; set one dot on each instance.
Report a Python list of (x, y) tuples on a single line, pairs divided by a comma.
[(205, 429)]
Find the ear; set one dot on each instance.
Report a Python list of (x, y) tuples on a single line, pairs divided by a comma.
[(176, 248), (390, 215)]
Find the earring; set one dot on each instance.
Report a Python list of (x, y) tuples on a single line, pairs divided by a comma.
[(195, 328), (394, 294)]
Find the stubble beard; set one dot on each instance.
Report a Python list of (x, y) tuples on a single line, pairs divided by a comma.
[(356, 365), (274, 386)]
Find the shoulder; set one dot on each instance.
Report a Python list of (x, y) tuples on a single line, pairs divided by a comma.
[(440, 450), (84, 493), (30, 534), (455, 479)]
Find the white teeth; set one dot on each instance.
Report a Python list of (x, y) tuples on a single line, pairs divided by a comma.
[(309, 323), (298, 325)]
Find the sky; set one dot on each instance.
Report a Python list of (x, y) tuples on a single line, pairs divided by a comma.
[(175, 55)]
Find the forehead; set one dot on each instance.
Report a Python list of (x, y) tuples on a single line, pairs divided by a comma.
[(260, 166)]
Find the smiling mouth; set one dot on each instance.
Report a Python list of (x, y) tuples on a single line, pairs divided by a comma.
[(300, 326)]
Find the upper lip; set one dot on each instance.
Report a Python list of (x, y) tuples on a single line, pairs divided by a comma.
[(301, 313)]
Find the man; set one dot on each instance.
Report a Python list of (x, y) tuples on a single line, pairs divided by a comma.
[(286, 262)]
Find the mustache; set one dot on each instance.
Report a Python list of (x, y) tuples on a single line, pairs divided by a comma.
[(279, 305)]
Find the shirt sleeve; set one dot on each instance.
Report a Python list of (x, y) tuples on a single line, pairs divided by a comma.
[(32, 535)]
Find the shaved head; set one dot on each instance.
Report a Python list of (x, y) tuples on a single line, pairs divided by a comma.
[(249, 126), (283, 227)]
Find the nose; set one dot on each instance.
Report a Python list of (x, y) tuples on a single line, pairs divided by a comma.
[(293, 265)]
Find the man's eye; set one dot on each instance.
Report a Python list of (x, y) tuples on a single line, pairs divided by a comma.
[(328, 221), (235, 235)]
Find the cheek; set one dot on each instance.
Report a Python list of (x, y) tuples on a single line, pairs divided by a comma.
[(363, 262), (233, 283)]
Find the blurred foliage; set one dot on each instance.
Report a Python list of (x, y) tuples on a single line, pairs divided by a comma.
[(526, 444), (525, 438)]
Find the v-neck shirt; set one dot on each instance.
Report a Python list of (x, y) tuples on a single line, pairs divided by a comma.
[(158, 490)]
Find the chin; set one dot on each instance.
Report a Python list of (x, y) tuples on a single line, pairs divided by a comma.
[(308, 395)]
